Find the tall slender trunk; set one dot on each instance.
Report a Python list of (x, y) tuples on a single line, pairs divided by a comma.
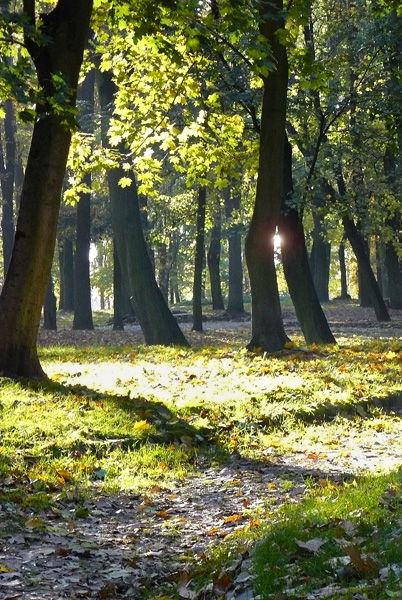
[(363, 261), (7, 176), (156, 320), (268, 332), (49, 308), (118, 324), (235, 296), (24, 289), (320, 257), (213, 261), (342, 269), (310, 315), (82, 281), (68, 274), (199, 260)]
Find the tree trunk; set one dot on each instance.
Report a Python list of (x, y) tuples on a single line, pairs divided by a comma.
[(50, 308), (296, 267), (163, 271), (7, 176), (118, 324), (199, 260), (268, 332), (320, 259), (342, 268), (213, 260), (235, 297), (357, 243), (352, 234), (363, 283), (156, 320), (394, 276), (68, 274), (66, 28), (82, 283)]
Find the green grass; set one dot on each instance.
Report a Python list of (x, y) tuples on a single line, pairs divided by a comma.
[(125, 418)]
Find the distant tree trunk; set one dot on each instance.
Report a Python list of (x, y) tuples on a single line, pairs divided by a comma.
[(213, 260), (394, 275), (268, 332), (310, 315), (65, 28), (61, 276), (174, 284), (118, 324), (320, 259), (7, 176), (162, 254), (342, 268), (156, 320), (363, 283), (199, 260), (68, 274), (50, 308), (366, 271), (82, 283), (235, 296), (353, 235)]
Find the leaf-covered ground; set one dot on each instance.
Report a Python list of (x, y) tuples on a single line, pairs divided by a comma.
[(158, 473)]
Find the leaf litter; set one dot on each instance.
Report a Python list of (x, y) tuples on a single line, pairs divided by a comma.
[(144, 545)]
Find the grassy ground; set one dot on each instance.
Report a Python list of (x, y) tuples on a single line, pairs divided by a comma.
[(127, 419)]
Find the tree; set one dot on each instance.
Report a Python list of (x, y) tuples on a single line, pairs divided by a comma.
[(199, 259), (156, 320), (57, 63), (268, 331)]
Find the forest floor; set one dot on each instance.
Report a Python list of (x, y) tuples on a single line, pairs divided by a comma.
[(161, 473)]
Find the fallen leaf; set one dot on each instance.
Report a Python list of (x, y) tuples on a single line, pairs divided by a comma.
[(313, 545)]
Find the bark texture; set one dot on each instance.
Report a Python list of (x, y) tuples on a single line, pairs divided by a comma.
[(235, 296), (268, 332), (310, 315), (66, 28)]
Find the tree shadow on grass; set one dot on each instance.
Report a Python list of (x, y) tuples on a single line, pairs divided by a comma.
[(130, 544)]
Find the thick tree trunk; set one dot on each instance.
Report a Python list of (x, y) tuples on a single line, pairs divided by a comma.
[(21, 301), (235, 296), (310, 315), (7, 176), (268, 332), (82, 282), (199, 260), (118, 324), (213, 261), (156, 320), (50, 308)]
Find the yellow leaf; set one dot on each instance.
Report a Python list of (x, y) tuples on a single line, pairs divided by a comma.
[(233, 518), (4, 569), (65, 475), (33, 523), (272, 486), (142, 426), (289, 345)]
